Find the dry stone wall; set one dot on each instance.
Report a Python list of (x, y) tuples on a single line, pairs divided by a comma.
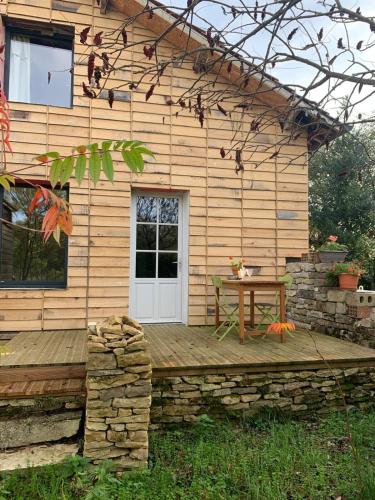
[(39, 419), (315, 306), (182, 399), (118, 393)]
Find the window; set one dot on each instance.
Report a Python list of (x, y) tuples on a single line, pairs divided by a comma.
[(38, 68), (25, 260)]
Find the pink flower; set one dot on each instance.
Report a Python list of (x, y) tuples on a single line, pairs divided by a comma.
[(332, 238)]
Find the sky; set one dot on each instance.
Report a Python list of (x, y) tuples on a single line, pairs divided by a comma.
[(298, 73)]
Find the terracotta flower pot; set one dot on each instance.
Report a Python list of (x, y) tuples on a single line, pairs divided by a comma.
[(235, 271), (348, 281)]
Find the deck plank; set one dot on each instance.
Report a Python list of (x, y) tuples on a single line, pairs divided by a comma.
[(49, 348), (178, 348)]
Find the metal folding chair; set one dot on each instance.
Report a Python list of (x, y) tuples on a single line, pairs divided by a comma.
[(266, 308), (229, 310)]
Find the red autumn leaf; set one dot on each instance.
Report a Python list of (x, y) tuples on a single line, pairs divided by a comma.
[(229, 67), (148, 51), (42, 158), (201, 118), (111, 97), (98, 38), (124, 36), (81, 149), (83, 35), (199, 100), (105, 59), (2, 48), (40, 198), (150, 92), (90, 66), (87, 91), (222, 152), (65, 222), (222, 110), (50, 221), (292, 33)]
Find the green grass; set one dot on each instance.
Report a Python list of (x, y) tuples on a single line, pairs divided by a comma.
[(265, 459)]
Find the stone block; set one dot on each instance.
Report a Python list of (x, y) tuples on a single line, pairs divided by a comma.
[(141, 402), (133, 359), (37, 428), (101, 361), (336, 295), (230, 400)]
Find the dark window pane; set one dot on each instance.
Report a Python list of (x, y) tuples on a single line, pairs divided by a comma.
[(146, 209), (145, 265), (24, 256), (168, 237), (169, 210), (146, 237), (167, 265), (31, 61)]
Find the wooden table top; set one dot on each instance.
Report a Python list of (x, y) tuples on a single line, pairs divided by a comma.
[(249, 283)]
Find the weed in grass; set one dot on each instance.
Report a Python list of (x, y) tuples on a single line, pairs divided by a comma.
[(261, 459)]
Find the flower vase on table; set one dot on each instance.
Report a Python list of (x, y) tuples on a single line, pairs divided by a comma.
[(237, 267)]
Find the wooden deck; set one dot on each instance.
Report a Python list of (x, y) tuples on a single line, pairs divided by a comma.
[(37, 363), (54, 362), (181, 350)]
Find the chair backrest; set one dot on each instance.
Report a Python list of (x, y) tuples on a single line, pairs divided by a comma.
[(217, 282), (287, 279)]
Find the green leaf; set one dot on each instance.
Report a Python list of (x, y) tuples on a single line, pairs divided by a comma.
[(106, 145), (133, 160), (80, 168), (53, 154), (93, 147), (131, 144), (94, 167), (66, 169), (108, 165), (145, 151), (4, 182), (55, 172), (117, 145)]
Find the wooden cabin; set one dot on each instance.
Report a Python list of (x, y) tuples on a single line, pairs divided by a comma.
[(147, 244)]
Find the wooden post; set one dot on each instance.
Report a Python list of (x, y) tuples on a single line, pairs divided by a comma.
[(252, 309), (217, 312), (241, 313)]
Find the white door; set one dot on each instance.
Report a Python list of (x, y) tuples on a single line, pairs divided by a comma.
[(157, 261)]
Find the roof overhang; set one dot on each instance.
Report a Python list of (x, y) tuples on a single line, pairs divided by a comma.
[(321, 127)]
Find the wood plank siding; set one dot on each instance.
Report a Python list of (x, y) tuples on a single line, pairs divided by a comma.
[(239, 215)]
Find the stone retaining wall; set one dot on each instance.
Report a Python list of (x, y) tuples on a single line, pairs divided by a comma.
[(118, 393), (315, 306), (39, 419), (183, 399)]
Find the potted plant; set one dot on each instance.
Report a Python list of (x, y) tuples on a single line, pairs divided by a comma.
[(331, 251), (236, 265), (349, 274)]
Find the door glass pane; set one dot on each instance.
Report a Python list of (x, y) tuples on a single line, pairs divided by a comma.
[(169, 210), (145, 265), (146, 236), (167, 265), (146, 209), (168, 237)]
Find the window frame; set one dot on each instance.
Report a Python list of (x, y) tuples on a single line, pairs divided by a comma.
[(35, 32), (28, 284)]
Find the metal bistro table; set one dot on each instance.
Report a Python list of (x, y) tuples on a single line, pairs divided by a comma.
[(243, 286)]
